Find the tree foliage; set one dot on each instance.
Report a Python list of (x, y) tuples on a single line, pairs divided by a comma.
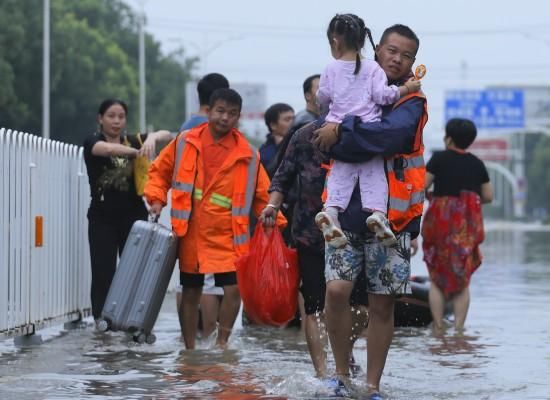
[(94, 55)]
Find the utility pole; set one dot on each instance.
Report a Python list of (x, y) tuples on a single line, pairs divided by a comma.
[(46, 72), (519, 173), (142, 122)]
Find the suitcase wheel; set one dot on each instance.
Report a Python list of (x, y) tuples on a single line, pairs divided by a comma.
[(140, 338), (102, 325), (150, 338)]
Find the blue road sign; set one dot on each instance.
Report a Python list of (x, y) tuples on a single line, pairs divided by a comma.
[(489, 109)]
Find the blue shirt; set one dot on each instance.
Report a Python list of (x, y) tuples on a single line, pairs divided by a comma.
[(268, 151), (195, 120)]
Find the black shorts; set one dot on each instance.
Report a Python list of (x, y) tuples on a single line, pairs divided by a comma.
[(311, 263), (221, 279)]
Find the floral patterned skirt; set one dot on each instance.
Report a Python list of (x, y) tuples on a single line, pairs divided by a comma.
[(452, 230)]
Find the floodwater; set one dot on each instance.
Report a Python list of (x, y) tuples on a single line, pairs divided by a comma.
[(504, 353)]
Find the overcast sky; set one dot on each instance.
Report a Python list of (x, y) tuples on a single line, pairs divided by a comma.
[(463, 43)]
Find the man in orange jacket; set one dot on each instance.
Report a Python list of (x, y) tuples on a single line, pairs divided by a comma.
[(216, 179)]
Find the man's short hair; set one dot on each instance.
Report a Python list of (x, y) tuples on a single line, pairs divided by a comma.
[(402, 30), (462, 131), (271, 115), (308, 83), (230, 96), (207, 85)]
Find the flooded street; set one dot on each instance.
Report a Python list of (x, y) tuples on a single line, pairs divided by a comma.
[(504, 354)]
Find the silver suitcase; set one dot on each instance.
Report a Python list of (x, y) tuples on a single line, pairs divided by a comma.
[(140, 282)]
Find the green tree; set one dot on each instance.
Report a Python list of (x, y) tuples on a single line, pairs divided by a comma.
[(94, 55), (14, 63), (87, 66)]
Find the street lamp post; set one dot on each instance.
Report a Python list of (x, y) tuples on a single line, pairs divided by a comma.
[(46, 72), (142, 109)]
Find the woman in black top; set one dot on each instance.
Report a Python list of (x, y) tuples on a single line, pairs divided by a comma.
[(114, 205), (452, 227)]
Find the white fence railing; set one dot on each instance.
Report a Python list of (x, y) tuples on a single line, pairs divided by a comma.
[(48, 282)]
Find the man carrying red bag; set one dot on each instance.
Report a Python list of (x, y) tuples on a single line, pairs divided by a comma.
[(215, 179)]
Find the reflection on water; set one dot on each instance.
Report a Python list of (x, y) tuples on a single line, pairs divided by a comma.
[(458, 345), (503, 354)]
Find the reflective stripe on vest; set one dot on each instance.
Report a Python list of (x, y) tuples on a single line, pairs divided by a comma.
[(179, 154), (184, 187), (220, 200), (182, 215), (241, 239), (197, 194), (250, 188), (403, 205), (179, 214), (413, 162)]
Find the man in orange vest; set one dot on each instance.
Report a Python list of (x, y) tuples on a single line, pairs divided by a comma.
[(398, 136), (216, 179)]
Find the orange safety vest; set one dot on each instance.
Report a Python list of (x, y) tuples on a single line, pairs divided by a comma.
[(185, 190), (406, 176)]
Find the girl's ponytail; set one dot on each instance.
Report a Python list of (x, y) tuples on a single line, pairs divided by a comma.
[(367, 31), (357, 64)]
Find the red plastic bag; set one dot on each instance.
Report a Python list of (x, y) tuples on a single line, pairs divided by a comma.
[(268, 279)]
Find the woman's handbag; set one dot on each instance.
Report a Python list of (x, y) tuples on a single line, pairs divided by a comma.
[(141, 167)]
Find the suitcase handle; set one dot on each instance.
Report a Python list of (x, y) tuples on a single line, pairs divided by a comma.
[(154, 218)]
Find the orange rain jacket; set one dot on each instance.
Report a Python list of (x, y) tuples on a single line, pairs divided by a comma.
[(212, 222)]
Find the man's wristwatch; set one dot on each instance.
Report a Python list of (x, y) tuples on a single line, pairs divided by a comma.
[(276, 208)]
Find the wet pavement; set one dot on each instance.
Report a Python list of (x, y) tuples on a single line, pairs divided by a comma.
[(504, 353)]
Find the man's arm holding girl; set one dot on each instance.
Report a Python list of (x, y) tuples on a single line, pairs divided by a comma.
[(355, 141)]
